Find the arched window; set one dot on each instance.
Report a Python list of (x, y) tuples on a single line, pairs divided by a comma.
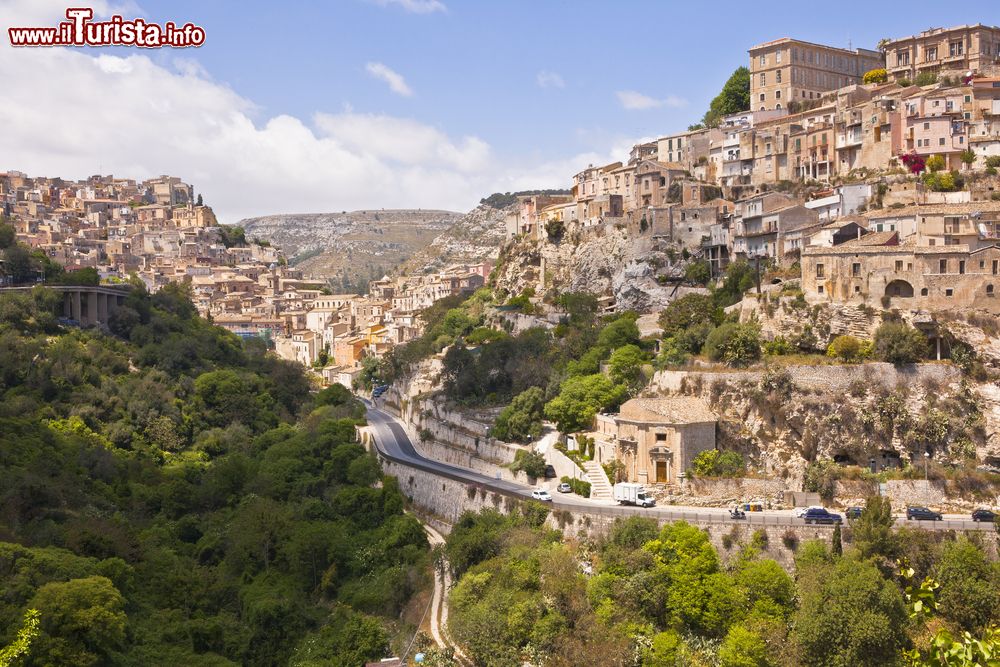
[(989, 289)]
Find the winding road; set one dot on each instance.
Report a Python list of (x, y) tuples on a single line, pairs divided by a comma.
[(394, 444)]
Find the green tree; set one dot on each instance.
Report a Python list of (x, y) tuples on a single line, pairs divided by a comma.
[(899, 343), (531, 462), (8, 236), (17, 264), (522, 419), (735, 344), (699, 272), (734, 97), (716, 463), (622, 331), (689, 310), (968, 157), (968, 597), (872, 531), (580, 398), (21, 646), (849, 615), (935, 163), (743, 647), (625, 366), (347, 638), (83, 622)]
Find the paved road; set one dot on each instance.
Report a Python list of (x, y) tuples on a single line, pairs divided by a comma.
[(393, 443)]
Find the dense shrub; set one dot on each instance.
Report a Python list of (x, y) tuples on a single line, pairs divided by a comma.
[(734, 344), (899, 343)]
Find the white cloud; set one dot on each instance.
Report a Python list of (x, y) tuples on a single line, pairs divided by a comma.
[(395, 80), (74, 113), (635, 101), (547, 79), (415, 6)]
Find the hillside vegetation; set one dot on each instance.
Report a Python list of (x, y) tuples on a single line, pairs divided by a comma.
[(172, 495)]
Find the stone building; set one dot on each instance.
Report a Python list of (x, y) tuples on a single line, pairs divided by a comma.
[(944, 50), (878, 268), (657, 438), (791, 70)]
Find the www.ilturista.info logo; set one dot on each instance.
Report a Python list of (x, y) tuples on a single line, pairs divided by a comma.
[(79, 30)]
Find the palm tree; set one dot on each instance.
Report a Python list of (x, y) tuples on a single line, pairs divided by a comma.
[(883, 44)]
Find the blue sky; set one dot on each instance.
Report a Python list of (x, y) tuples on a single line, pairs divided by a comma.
[(288, 106), (473, 67)]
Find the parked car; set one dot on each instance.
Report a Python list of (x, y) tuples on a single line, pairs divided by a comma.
[(564, 487), (800, 512), (984, 515), (541, 494), (854, 512), (550, 472), (922, 514), (820, 515)]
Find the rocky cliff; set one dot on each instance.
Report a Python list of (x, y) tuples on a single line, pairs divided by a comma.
[(475, 237), (351, 247), (638, 269)]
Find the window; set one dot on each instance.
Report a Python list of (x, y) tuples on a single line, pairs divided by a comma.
[(763, 78), (949, 292), (951, 225), (777, 94), (820, 289), (762, 99), (968, 98), (942, 266), (994, 267), (857, 289), (982, 264), (989, 290), (930, 54), (909, 266), (899, 265), (819, 271), (923, 291), (777, 76), (763, 60), (927, 126), (661, 437), (956, 48), (961, 266), (856, 269), (941, 141), (777, 58), (902, 58)]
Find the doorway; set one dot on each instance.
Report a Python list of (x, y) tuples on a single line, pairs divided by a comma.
[(661, 472)]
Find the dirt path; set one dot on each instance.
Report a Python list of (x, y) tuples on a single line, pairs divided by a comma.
[(439, 604)]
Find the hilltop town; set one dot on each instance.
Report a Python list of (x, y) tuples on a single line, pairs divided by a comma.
[(854, 179)]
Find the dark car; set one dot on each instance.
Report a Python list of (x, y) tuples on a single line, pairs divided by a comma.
[(550, 472), (820, 515), (922, 514), (984, 515), (854, 512)]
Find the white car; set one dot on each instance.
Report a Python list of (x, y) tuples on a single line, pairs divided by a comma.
[(800, 512), (541, 494)]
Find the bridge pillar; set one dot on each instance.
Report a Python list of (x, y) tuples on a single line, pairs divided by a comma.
[(102, 308), (76, 306)]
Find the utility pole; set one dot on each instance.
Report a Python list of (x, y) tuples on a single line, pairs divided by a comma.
[(756, 258)]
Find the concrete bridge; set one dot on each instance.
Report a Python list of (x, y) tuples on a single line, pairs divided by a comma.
[(90, 305)]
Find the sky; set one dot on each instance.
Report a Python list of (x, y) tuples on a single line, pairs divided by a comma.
[(304, 107)]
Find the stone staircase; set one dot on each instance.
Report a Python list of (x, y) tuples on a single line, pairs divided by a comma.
[(600, 487)]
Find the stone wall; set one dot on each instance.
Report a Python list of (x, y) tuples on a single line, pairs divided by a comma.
[(832, 379), (442, 501), (722, 492)]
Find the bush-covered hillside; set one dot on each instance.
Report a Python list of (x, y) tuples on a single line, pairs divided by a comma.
[(172, 495)]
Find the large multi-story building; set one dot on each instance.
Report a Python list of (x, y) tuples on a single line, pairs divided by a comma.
[(960, 49), (789, 70)]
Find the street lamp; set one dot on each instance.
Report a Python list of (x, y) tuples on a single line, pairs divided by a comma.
[(927, 457)]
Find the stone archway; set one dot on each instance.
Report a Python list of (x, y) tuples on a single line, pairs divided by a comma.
[(899, 288)]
